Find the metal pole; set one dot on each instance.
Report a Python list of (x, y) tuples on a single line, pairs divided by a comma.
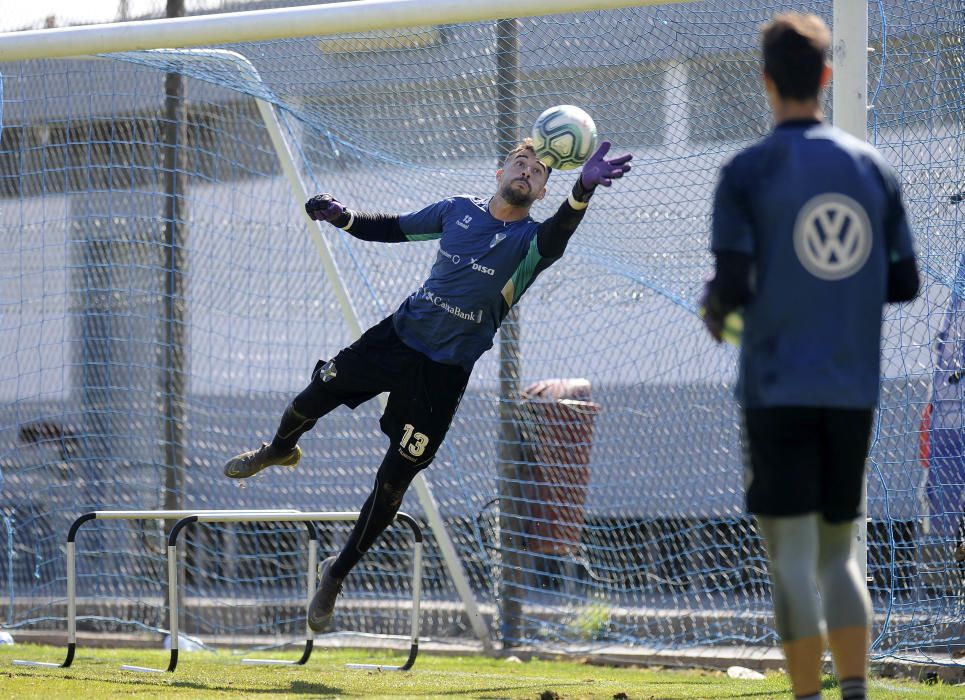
[(511, 541), (8, 525), (849, 100), (849, 79), (174, 132)]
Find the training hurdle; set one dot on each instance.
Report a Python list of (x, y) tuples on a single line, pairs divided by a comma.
[(187, 517), (71, 554)]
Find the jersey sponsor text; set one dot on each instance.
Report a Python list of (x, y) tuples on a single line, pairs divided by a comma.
[(436, 300)]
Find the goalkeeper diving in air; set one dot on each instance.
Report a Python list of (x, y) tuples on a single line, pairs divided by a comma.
[(490, 252)]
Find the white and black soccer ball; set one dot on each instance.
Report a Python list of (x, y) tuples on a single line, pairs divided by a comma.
[(564, 136)]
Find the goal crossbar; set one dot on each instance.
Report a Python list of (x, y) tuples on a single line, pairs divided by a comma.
[(263, 25)]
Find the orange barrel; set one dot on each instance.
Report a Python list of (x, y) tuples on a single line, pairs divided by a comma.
[(557, 429)]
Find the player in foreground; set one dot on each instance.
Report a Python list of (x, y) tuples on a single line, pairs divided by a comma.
[(810, 239), (490, 253)]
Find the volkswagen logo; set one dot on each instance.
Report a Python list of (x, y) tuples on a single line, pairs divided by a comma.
[(832, 236)]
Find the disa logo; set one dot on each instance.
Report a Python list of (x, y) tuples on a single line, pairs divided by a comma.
[(482, 268)]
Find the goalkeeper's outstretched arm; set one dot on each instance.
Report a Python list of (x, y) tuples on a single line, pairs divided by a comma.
[(383, 228), (555, 232)]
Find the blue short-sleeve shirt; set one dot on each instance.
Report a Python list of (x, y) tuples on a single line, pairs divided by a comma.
[(482, 267), (821, 215)]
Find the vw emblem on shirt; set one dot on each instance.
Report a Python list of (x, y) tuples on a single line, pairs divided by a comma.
[(832, 236)]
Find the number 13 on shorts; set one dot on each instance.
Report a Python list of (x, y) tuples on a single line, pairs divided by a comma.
[(415, 443)]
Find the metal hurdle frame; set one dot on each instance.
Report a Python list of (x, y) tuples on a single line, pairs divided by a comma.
[(308, 518), (186, 517), (72, 562)]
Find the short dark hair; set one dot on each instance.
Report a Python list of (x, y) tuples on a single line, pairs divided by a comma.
[(795, 48), (526, 145)]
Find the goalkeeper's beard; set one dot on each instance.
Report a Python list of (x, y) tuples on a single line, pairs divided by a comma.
[(515, 197)]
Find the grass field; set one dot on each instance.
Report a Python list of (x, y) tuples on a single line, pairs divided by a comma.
[(96, 674)]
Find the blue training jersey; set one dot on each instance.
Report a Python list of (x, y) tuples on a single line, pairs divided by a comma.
[(820, 213), (482, 268)]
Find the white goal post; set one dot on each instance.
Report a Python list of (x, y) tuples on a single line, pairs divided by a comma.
[(849, 95), (262, 25)]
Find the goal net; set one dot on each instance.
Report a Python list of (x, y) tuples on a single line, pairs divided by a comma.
[(162, 298)]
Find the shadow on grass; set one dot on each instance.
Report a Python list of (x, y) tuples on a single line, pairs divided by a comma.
[(753, 694), (296, 687), (303, 687), (532, 687), (166, 681), (307, 688)]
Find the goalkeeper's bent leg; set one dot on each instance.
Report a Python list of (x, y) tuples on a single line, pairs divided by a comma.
[(292, 426), (380, 508), (316, 400)]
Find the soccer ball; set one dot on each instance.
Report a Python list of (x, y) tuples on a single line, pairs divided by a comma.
[(564, 137)]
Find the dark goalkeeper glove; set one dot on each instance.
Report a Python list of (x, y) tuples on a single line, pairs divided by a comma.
[(324, 207), (598, 170), (723, 325)]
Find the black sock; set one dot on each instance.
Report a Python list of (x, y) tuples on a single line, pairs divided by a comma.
[(853, 688), (316, 400), (293, 425), (377, 513)]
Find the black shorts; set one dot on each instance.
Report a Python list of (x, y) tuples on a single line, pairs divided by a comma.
[(423, 394), (801, 459)]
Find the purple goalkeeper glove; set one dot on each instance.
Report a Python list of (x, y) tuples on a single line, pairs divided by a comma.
[(600, 171), (324, 207)]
